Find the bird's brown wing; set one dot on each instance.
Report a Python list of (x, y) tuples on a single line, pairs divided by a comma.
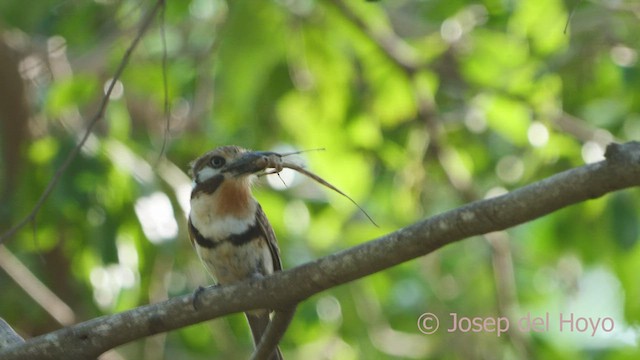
[(267, 230)]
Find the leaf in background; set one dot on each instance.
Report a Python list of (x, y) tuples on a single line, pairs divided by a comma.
[(542, 21), (498, 61), (251, 49), (623, 214), (509, 118), (71, 92)]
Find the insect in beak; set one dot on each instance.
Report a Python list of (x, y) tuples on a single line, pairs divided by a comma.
[(260, 161), (254, 162)]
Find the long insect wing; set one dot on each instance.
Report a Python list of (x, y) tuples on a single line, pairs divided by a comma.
[(327, 184)]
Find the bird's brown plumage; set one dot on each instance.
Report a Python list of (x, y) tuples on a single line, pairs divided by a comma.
[(229, 229)]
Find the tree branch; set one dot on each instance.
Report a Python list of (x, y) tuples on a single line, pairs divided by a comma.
[(620, 170), (8, 336)]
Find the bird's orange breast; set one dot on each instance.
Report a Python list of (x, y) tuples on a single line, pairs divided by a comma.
[(233, 198)]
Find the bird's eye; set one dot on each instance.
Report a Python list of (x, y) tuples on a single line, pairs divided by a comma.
[(217, 162)]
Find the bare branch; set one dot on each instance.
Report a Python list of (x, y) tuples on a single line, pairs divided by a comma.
[(38, 291), (89, 339), (96, 118), (165, 83), (8, 336)]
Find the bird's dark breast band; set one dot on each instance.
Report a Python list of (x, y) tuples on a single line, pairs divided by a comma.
[(254, 231), (208, 187)]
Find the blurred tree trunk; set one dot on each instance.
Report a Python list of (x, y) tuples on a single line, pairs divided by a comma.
[(14, 114)]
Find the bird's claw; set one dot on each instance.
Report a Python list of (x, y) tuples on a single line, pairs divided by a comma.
[(196, 294)]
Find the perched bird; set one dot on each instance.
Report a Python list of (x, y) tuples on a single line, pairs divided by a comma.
[(227, 226)]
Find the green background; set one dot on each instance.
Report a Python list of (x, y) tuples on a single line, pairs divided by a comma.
[(422, 106)]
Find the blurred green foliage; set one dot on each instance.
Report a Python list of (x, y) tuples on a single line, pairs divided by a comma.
[(421, 105)]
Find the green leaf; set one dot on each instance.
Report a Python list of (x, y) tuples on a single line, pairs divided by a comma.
[(542, 21), (69, 93), (43, 150), (509, 118), (498, 60), (623, 214)]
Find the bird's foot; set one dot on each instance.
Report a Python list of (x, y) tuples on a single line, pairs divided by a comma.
[(196, 294)]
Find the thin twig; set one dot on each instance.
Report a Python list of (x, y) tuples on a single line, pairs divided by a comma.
[(96, 118), (165, 82), (39, 292), (573, 11)]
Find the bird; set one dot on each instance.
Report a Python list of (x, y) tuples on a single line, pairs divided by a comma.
[(228, 228)]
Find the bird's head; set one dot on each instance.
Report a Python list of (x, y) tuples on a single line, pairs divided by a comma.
[(230, 162)]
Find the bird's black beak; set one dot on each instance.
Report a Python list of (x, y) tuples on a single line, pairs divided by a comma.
[(251, 162)]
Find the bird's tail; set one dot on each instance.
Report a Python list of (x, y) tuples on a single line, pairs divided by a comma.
[(258, 322)]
